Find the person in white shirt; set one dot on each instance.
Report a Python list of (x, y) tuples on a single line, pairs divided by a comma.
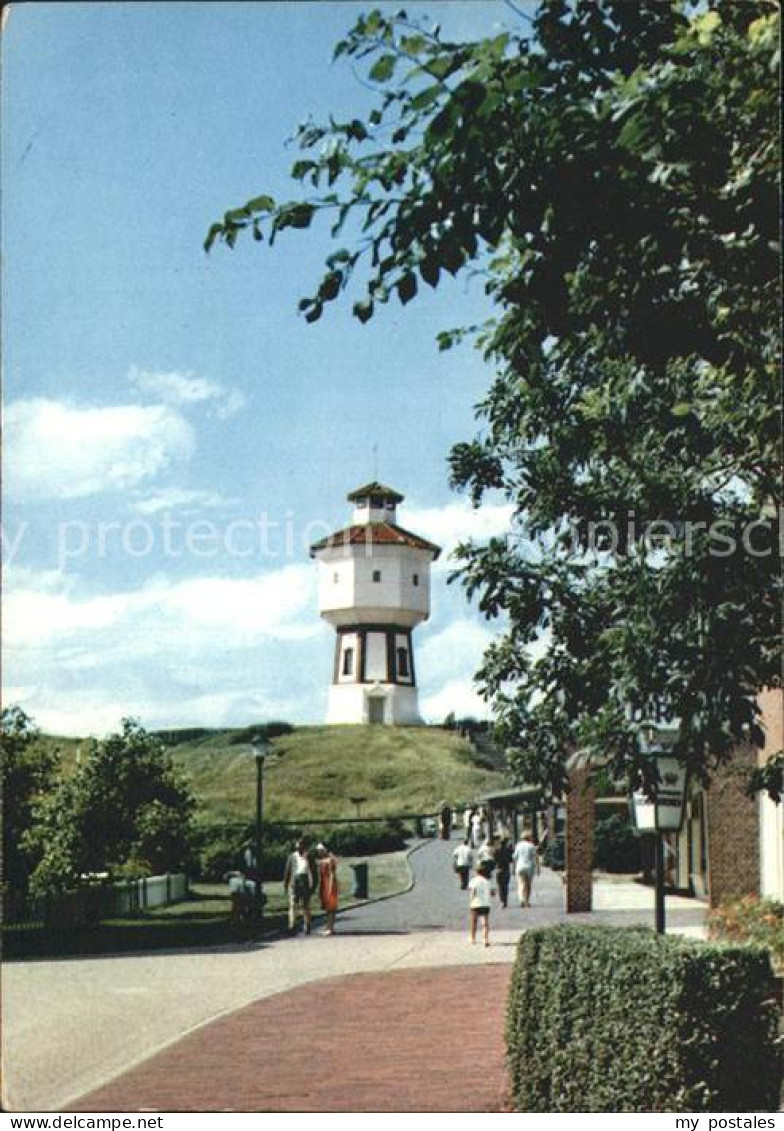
[(463, 859), (300, 880), (482, 892), (526, 862)]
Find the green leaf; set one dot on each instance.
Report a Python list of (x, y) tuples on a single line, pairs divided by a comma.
[(363, 310), (260, 204), (383, 68), (407, 287)]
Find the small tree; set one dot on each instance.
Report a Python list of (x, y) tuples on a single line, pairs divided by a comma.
[(28, 770), (125, 807)]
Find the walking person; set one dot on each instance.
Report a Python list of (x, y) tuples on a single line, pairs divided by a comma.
[(463, 858), (526, 862), (503, 869), (300, 880), (327, 885), (445, 820), (482, 892), (486, 852), (476, 828)]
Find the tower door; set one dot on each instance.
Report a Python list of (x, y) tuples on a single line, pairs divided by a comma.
[(375, 709)]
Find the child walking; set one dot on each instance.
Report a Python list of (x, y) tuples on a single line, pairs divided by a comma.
[(482, 892)]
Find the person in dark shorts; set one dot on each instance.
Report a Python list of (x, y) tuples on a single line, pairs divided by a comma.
[(482, 892), (503, 869)]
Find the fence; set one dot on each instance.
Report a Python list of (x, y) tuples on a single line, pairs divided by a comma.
[(93, 902)]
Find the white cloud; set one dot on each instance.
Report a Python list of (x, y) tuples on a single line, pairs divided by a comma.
[(205, 651), (458, 522), (187, 389), (178, 498), (447, 662), (54, 450), (458, 696)]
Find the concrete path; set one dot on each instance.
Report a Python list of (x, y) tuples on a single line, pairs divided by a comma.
[(70, 1025)]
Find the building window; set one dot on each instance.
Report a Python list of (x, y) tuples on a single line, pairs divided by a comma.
[(336, 578), (415, 579), (348, 661), (402, 663), (376, 574)]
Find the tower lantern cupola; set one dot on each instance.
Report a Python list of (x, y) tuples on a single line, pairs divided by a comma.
[(374, 503), (374, 588)]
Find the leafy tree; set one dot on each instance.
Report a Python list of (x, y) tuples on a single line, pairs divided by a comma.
[(28, 770), (612, 170), (125, 808)]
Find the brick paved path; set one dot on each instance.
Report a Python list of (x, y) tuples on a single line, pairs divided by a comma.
[(408, 1040)]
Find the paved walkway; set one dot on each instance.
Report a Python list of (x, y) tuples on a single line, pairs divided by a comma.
[(414, 1040), (70, 1025)]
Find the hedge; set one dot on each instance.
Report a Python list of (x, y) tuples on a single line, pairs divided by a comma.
[(620, 1019), (616, 848)]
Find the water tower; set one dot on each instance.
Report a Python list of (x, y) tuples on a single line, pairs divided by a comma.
[(374, 588)]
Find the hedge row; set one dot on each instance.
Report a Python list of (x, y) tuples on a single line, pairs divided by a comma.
[(620, 1019), (220, 848)]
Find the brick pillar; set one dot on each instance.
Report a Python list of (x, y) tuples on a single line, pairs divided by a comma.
[(580, 817), (733, 831)]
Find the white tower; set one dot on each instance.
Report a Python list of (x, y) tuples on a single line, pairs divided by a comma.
[(374, 587)]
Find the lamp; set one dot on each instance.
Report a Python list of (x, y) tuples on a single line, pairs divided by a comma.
[(260, 747), (660, 810)]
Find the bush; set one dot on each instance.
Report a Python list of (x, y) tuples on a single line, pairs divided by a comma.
[(750, 919), (616, 849), (608, 1019), (221, 849), (260, 730), (362, 839)]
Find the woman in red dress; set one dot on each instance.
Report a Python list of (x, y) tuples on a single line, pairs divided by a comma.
[(328, 885)]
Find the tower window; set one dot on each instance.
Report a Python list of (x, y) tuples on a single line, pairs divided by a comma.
[(376, 574), (415, 579), (402, 663), (376, 502), (348, 661)]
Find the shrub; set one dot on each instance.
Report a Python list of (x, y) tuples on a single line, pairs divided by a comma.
[(608, 1019), (260, 730), (617, 849), (221, 849), (750, 919), (362, 839)]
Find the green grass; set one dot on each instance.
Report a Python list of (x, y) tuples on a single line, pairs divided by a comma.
[(314, 773), (203, 920)]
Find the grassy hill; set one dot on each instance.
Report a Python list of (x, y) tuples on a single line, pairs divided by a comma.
[(315, 771)]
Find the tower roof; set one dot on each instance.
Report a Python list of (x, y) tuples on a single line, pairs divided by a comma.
[(376, 534), (375, 488)]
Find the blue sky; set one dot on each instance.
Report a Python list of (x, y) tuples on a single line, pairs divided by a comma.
[(147, 383)]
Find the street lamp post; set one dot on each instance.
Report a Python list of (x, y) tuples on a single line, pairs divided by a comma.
[(260, 747), (661, 809)]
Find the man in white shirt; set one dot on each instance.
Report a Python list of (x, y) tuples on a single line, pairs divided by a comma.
[(300, 881), (526, 862)]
